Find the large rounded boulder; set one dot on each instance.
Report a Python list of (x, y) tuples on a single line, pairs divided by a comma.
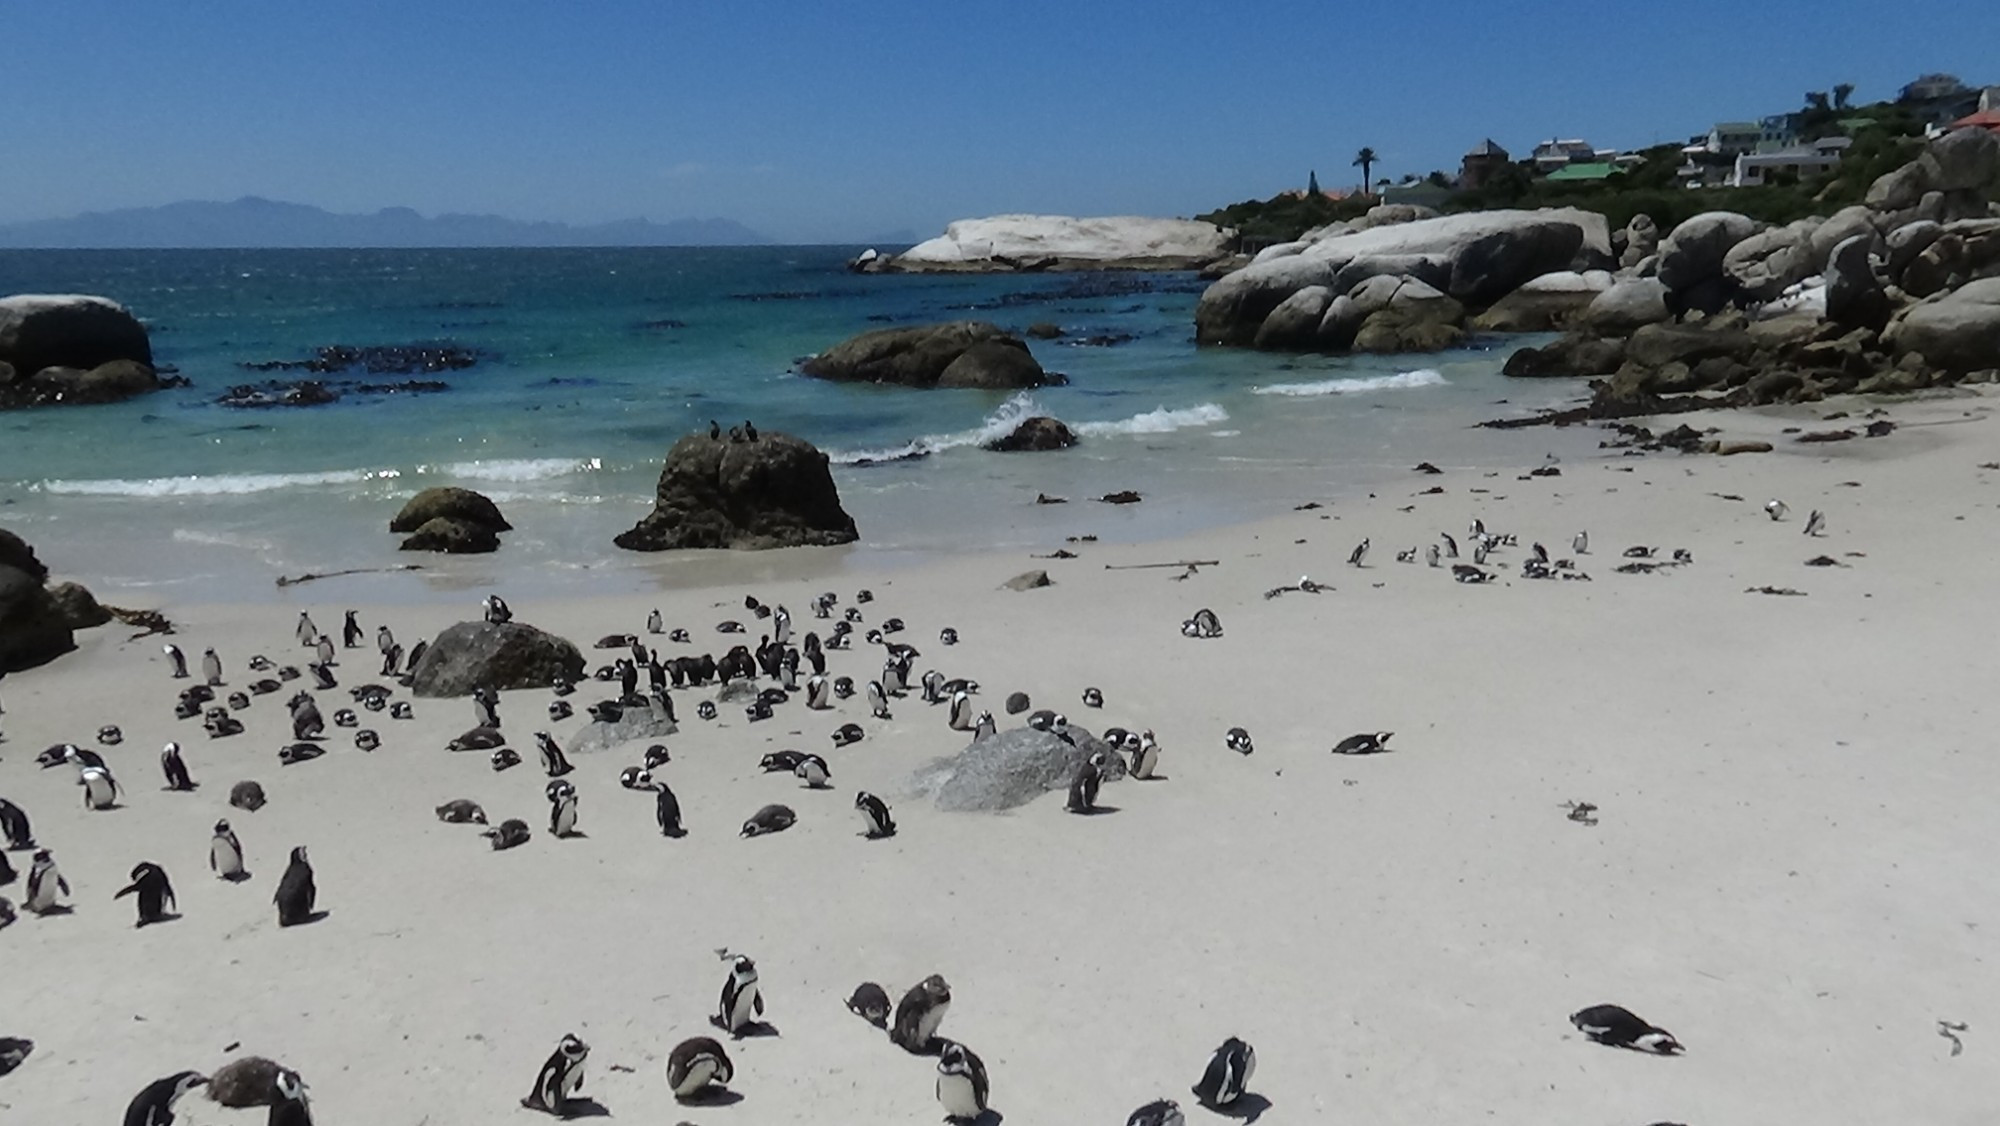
[(772, 491), (40, 330), (963, 354), (33, 627), (452, 520), (1695, 251), (1011, 768), (499, 656), (1959, 332)]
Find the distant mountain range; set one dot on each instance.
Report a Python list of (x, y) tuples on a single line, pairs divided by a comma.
[(255, 222)]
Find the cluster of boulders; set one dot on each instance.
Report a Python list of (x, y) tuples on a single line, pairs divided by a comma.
[(38, 622), (62, 349), (1897, 294), (964, 354), (453, 520), (748, 491), (1033, 243)]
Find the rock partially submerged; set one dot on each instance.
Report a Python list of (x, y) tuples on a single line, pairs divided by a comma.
[(499, 656), (1038, 433), (449, 519), (965, 354), (1010, 768), (1014, 243), (776, 491)]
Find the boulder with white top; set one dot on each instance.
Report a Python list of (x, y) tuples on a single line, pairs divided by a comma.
[(58, 349), (1012, 243)]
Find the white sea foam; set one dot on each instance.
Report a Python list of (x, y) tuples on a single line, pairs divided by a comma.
[(1023, 406), (1402, 381), (515, 470), (222, 484)]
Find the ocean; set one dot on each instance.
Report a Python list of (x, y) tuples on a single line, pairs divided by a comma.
[(592, 362)]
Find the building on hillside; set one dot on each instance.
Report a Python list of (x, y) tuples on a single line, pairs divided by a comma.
[(1778, 132), (1989, 99), (1479, 164), (1553, 153), (1585, 171), (1987, 119), (1733, 138), (1818, 158)]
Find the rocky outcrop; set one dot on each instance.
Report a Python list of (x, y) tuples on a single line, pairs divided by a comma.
[(69, 330), (1574, 355), (499, 656), (964, 354), (33, 628), (1642, 241), (1958, 332), (1631, 304), (633, 725), (1545, 304), (1012, 243), (775, 491), (79, 608), (1011, 768), (1695, 251), (453, 520), (1854, 296), (1035, 434), (1475, 259)]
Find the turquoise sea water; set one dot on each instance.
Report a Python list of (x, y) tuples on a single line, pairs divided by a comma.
[(597, 360)]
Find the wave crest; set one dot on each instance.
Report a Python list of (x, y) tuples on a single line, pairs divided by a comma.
[(1024, 406), (1401, 381)]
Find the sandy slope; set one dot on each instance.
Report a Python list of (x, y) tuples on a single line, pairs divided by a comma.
[(1790, 872)]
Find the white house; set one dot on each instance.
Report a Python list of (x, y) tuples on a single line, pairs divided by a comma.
[(1813, 159)]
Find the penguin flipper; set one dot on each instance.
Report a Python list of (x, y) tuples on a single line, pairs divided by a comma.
[(757, 1003)]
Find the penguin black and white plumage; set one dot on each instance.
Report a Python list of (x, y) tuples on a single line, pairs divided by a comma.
[(13, 1051), (781, 626), (1359, 553), (14, 824), (560, 710), (177, 661), (813, 770), (154, 1104), (401, 709), (307, 723), (294, 753), (870, 1002), (655, 623), (392, 660), (45, 882), (781, 762), (895, 676), (554, 764), (323, 649), (211, 668), (345, 717), (1366, 743), (1238, 740), (919, 1014), (770, 819), (1228, 1074), (1146, 761), (297, 891), (742, 1001), (508, 834), (1620, 1027), (110, 735), (878, 700), (7, 875), (1815, 523), (656, 757), (847, 734), (705, 710), (983, 727), (100, 789), (961, 1084), (1203, 624), (819, 692), (562, 813), (366, 740), (960, 716), (1159, 1112), (350, 631), (1580, 543), (843, 687), (225, 854), (1083, 786), (1450, 545), (635, 778), (322, 675), (695, 1065), (305, 631), (155, 892), (667, 811), (1776, 509), (461, 811), (560, 1078), (875, 820), (496, 610), (504, 758)]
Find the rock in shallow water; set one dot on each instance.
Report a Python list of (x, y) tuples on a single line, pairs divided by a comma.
[(775, 491), (1033, 434), (966, 354)]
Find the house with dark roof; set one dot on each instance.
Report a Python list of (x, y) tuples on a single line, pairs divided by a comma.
[(1479, 164)]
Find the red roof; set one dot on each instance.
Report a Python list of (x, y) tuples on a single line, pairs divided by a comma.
[(1985, 119)]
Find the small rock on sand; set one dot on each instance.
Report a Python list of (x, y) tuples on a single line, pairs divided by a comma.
[(1028, 580)]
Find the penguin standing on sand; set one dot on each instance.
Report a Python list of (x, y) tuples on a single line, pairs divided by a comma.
[(45, 880), (667, 811), (175, 769), (742, 1001), (960, 716), (211, 668), (154, 1105), (14, 823), (155, 892), (485, 707), (694, 1065), (961, 1084), (819, 693), (875, 819), (562, 810), (1581, 544), (177, 661), (655, 623), (1228, 1074), (878, 700), (1146, 762), (919, 1014), (560, 1078), (1359, 553), (296, 891), (100, 789), (1620, 1027), (814, 771), (554, 764), (306, 632), (225, 853), (350, 632), (1083, 787), (323, 649)]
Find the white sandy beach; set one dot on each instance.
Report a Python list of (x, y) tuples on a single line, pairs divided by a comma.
[(1790, 870)]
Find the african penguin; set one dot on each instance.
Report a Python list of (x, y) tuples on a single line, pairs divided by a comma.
[(296, 891), (14, 823), (367, 740), (155, 892), (100, 789), (960, 717), (694, 1065), (1359, 553), (1621, 1028), (45, 880), (1083, 786), (847, 734), (770, 819), (553, 762), (154, 1104), (350, 632), (983, 727), (919, 1013), (507, 834), (562, 812), (1228, 1074), (878, 702), (496, 610), (211, 668), (1203, 624), (306, 632), (655, 623), (814, 771), (1160, 1112), (1092, 698), (635, 778), (818, 693), (667, 811), (742, 1001), (870, 1002), (177, 661), (1366, 743), (961, 1083), (875, 820), (1146, 762), (1238, 740), (560, 1078)]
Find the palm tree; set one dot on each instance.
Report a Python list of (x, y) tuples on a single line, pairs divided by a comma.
[(1365, 160)]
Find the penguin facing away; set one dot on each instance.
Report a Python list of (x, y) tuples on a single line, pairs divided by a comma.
[(1228, 1074), (175, 769), (560, 1078), (154, 1104), (14, 823), (155, 892), (296, 891)]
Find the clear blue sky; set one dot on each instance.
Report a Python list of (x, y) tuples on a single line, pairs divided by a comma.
[(836, 121)]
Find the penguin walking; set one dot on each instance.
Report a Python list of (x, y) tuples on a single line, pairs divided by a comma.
[(225, 854), (1620, 1027), (1359, 553), (667, 811), (155, 892), (961, 1083), (306, 632), (875, 820), (45, 881), (211, 668), (562, 812), (696, 1064), (554, 764), (1228, 1074), (14, 823), (100, 789), (560, 1078), (919, 1014), (742, 1001), (296, 891), (176, 661), (154, 1104), (175, 769)]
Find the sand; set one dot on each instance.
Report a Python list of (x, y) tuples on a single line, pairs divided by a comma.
[(1789, 869)]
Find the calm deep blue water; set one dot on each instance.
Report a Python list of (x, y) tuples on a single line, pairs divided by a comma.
[(597, 360)]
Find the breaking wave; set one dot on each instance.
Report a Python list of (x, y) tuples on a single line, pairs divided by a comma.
[(1402, 381)]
